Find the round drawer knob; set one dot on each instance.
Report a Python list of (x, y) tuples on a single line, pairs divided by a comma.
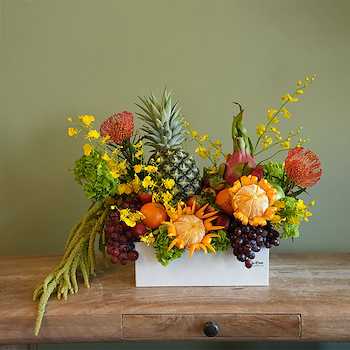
[(211, 329)]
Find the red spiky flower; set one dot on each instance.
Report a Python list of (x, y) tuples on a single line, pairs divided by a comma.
[(119, 127), (303, 168)]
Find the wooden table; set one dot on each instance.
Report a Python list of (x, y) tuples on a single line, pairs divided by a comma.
[(308, 299)]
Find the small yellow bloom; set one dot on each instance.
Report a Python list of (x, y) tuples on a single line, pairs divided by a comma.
[(87, 149), (274, 120), (260, 129), (285, 144), (105, 139), (69, 119), (307, 79), (151, 168), (213, 171), (139, 153), (306, 219), (299, 92), (299, 82), (301, 204), (80, 118), (218, 143), (204, 138), (88, 119), (72, 132), (272, 128), (92, 134), (278, 137), (138, 168), (195, 133), (270, 112), (139, 144), (312, 203), (168, 183), (279, 204), (217, 153), (148, 182)]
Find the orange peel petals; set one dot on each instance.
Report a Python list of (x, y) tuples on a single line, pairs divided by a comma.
[(200, 213), (263, 184), (270, 213), (249, 180), (258, 220), (236, 186), (175, 216), (209, 226), (240, 216), (272, 195)]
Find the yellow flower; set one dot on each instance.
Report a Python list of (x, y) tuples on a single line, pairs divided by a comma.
[(92, 134), (260, 129), (69, 119), (272, 128), (299, 92), (299, 82), (168, 183), (80, 118), (139, 144), (216, 153), (138, 168), (88, 119), (286, 113), (270, 112), (204, 138), (301, 204), (104, 139), (148, 182), (218, 143), (130, 218), (201, 151), (278, 137), (139, 153), (195, 133), (279, 204), (151, 168), (285, 144), (312, 203), (87, 149), (294, 221), (213, 171), (72, 132), (274, 120)]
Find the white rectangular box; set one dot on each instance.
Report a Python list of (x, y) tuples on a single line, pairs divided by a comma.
[(220, 269)]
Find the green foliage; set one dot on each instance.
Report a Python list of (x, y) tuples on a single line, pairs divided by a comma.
[(274, 172), (219, 243), (92, 172), (161, 244)]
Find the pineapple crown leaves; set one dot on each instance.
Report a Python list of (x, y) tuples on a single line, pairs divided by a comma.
[(163, 123)]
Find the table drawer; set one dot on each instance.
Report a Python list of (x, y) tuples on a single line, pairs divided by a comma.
[(184, 326)]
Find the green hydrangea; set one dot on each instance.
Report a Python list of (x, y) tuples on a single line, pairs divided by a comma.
[(92, 173)]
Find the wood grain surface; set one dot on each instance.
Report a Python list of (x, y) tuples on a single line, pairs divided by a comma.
[(308, 299)]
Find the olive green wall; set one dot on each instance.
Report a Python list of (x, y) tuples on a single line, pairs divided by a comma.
[(66, 58)]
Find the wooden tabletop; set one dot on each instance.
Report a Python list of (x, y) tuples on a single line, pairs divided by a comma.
[(308, 299)]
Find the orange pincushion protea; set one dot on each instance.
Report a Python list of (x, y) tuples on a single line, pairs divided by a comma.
[(189, 229), (252, 200)]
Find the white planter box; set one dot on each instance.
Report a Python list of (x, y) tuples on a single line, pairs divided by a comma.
[(220, 269)]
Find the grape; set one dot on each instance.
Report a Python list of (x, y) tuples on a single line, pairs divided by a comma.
[(133, 255), (119, 237), (247, 240), (248, 264), (114, 259)]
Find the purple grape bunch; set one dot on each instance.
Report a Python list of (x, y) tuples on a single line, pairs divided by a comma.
[(247, 240), (121, 237)]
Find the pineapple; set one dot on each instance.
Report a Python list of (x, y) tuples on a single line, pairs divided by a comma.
[(165, 133)]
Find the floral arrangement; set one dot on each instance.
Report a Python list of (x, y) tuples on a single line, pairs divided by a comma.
[(163, 200)]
